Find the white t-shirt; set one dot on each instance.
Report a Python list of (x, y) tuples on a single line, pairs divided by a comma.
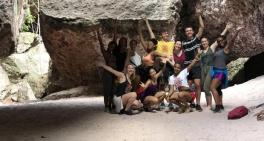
[(180, 79), (136, 59)]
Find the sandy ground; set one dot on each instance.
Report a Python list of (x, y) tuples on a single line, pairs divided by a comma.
[(83, 119)]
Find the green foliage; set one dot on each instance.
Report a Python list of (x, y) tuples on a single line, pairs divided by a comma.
[(29, 19)]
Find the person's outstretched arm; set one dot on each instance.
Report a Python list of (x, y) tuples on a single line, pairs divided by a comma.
[(101, 44), (151, 34), (145, 86), (201, 24), (161, 71), (142, 41), (195, 60), (118, 74), (232, 41), (227, 28)]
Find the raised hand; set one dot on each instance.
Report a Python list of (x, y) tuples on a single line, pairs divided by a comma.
[(142, 84), (229, 25), (144, 17), (198, 10)]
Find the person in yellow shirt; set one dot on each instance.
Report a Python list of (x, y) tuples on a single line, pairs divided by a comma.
[(165, 50), (165, 46)]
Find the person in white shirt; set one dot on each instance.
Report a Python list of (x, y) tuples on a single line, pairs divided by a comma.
[(179, 92), (135, 58)]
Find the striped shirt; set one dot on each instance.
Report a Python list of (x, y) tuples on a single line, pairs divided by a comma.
[(190, 47)]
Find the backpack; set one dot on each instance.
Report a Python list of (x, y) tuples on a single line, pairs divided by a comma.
[(238, 112)]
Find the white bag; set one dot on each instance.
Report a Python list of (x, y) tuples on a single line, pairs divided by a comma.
[(118, 103)]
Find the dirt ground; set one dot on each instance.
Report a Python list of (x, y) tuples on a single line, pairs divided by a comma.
[(83, 119)]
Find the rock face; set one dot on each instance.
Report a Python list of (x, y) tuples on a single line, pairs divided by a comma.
[(11, 19), (216, 13), (249, 13), (68, 25), (32, 64), (236, 71), (19, 92), (4, 79), (73, 92)]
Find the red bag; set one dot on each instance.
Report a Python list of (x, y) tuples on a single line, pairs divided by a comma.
[(238, 112)]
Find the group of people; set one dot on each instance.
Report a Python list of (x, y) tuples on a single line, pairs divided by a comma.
[(171, 70)]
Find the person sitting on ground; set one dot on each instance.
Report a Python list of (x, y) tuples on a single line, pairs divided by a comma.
[(207, 63), (151, 95), (219, 71), (110, 61), (122, 89), (191, 46), (179, 91)]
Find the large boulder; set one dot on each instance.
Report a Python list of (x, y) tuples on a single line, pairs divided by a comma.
[(68, 25), (236, 71), (31, 64), (19, 92), (11, 19), (4, 79), (73, 92), (249, 13), (216, 13)]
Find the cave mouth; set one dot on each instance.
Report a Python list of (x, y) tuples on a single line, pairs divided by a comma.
[(251, 69), (254, 67)]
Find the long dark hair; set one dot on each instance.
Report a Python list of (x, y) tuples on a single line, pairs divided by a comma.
[(120, 41), (110, 44), (224, 39)]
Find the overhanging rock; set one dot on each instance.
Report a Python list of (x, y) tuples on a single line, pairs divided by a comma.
[(68, 25)]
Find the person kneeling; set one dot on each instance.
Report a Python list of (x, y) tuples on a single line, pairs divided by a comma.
[(124, 99), (180, 93), (152, 97)]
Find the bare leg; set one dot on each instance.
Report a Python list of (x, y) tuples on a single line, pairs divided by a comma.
[(174, 98), (220, 94), (214, 84), (160, 95), (185, 98), (197, 83), (128, 100), (150, 101), (206, 87), (221, 100), (136, 105)]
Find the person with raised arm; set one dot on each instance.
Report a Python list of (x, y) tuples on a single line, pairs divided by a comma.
[(124, 99), (219, 71), (207, 63), (179, 90), (152, 96), (191, 46), (110, 59)]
